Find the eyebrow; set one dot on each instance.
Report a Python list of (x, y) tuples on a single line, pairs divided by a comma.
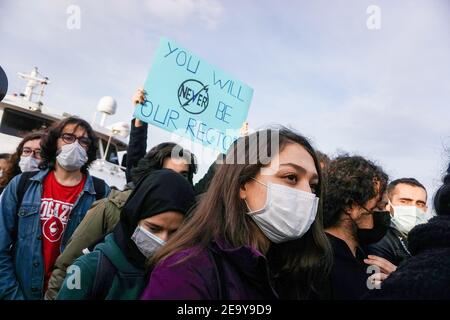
[(299, 168), (152, 225), (73, 133), (407, 199)]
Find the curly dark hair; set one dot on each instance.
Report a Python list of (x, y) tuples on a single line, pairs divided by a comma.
[(324, 160), (49, 142), (13, 168), (350, 180), (154, 160)]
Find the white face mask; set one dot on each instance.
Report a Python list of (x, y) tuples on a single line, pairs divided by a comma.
[(72, 156), (288, 213), (146, 241), (29, 163), (407, 217)]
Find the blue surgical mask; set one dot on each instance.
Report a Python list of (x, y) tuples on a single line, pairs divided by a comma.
[(407, 217)]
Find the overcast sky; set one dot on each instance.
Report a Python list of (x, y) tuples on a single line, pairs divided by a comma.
[(314, 66)]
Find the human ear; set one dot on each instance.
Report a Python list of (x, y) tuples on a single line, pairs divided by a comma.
[(243, 192)]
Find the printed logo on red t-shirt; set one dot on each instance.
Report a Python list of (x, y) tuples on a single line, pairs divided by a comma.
[(54, 217)]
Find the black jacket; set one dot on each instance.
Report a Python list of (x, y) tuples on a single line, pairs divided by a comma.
[(393, 247), (137, 146), (426, 275), (348, 278)]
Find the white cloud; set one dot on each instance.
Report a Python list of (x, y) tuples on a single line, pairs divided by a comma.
[(184, 12)]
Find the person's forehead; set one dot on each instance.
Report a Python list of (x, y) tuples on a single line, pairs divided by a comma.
[(297, 155), (74, 128), (32, 143), (164, 217), (176, 161), (403, 190)]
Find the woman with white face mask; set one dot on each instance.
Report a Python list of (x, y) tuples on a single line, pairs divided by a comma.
[(116, 268), (256, 233), (25, 159)]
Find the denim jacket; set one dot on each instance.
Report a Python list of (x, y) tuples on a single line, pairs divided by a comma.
[(21, 260)]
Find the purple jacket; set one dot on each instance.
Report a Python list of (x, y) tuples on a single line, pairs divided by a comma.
[(219, 272)]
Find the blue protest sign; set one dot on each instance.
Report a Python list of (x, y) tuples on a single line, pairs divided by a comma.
[(189, 96)]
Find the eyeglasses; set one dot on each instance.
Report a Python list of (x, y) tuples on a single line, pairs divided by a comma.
[(70, 138), (26, 152)]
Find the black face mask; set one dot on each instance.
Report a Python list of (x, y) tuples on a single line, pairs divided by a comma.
[(381, 223)]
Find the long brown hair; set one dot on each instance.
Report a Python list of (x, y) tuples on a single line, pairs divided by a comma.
[(13, 168), (298, 266)]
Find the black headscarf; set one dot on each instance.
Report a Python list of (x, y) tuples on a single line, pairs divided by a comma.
[(160, 191)]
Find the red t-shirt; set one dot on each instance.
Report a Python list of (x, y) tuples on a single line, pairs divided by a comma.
[(56, 205)]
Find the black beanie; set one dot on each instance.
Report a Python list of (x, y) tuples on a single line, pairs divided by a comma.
[(442, 196)]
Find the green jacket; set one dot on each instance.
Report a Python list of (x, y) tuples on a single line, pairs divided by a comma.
[(127, 284), (99, 220)]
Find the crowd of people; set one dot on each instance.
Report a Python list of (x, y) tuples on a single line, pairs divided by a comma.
[(271, 219)]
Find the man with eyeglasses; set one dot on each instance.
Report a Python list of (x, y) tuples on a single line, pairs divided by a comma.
[(40, 210)]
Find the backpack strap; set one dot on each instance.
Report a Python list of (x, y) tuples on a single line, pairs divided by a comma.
[(104, 276), (24, 184), (99, 187)]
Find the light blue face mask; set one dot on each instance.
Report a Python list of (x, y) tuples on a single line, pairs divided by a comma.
[(407, 217), (146, 241)]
